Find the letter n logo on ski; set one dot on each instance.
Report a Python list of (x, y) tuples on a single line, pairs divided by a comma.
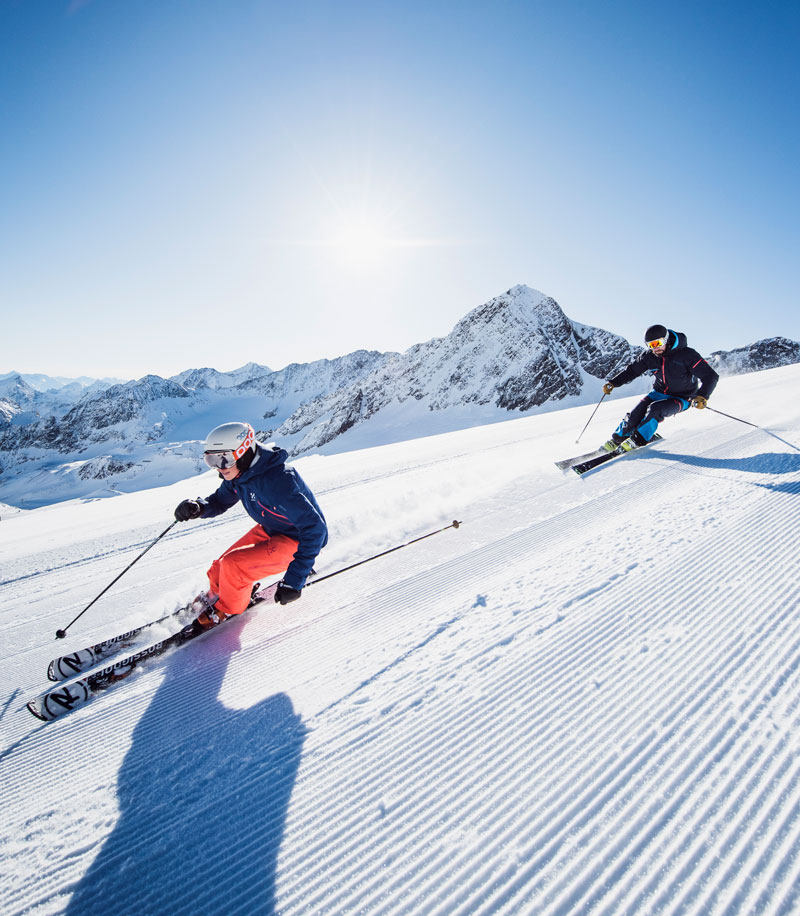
[(58, 702), (76, 662), (61, 668), (72, 662)]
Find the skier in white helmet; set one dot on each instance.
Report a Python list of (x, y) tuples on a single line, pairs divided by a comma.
[(290, 529)]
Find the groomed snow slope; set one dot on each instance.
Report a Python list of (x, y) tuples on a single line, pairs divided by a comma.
[(584, 700)]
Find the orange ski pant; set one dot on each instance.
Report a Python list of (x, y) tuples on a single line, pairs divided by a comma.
[(255, 556)]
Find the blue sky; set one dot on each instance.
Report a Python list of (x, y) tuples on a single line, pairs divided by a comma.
[(194, 183)]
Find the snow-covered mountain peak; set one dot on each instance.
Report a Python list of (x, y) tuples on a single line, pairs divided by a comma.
[(519, 307), (516, 353), (14, 387), (213, 378), (763, 354), (143, 390), (250, 370)]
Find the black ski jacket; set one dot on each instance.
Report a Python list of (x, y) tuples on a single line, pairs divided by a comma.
[(680, 371)]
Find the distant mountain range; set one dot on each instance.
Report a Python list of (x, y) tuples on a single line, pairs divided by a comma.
[(515, 354), (54, 383)]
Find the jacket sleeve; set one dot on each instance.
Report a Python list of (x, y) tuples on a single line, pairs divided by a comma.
[(637, 367), (313, 535), (219, 501), (701, 369)]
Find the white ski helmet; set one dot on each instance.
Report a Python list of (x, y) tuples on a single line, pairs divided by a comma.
[(229, 444)]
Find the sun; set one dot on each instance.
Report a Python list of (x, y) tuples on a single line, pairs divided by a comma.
[(361, 242)]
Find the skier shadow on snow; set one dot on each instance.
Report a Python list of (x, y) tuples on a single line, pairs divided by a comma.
[(777, 463), (203, 795)]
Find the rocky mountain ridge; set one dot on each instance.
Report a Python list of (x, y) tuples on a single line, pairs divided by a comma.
[(763, 354), (512, 355), (26, 398), (515, 353), (212, 378)]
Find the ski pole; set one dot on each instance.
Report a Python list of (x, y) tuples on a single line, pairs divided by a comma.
[(60, 634), (610, 375), (453, 524), (748, 423), (590, 418)]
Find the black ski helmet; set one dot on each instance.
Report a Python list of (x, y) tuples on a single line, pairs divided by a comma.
[(655, 332)]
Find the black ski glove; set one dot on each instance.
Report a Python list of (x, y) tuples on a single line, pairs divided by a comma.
[(188, 509), (285, 595)]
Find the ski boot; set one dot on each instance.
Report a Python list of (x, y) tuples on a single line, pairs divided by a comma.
[(114, 674), (207, 619), (613, 443), (637, 440)]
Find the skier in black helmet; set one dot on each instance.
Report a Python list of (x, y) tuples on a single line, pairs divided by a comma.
[(683, 379)]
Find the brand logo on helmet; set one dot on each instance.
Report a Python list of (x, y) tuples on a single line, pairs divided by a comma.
[(249, 437)]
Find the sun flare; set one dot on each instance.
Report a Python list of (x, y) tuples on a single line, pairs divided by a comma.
[(361, 242)]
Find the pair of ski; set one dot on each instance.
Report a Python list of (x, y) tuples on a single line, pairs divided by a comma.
[(591, 460), (83, 674)]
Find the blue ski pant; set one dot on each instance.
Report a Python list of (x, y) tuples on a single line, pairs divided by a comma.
[(649, 412)]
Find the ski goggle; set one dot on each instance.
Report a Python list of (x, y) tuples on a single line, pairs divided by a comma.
[(220, 461), (656, 344)]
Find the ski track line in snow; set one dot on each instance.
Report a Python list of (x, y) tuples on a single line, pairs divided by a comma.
[(529, 540), (694, 775), (322, 492), (467, 787), (109, 554), (424, 465), (557, 833), (209, 524), (113, 554), (132, 586)]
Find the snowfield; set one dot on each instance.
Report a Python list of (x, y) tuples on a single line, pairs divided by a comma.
[(585, 699)]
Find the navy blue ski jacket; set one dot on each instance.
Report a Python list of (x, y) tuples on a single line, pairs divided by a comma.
[(280, 501), (679, 372)]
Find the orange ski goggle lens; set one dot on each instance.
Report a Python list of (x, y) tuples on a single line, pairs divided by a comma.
[(655, 344)]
